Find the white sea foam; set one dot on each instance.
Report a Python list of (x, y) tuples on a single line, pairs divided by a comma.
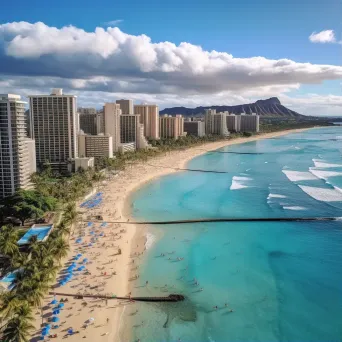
[(294, 208), (239, 182), (323, 164), (324, 174), (295, 176), (238, 178), (322, 194), (150, 240), (275, 196)]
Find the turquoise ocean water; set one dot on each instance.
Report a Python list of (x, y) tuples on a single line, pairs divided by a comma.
[(283, 280)]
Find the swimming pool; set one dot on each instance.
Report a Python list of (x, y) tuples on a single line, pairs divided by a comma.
[(41, 231)]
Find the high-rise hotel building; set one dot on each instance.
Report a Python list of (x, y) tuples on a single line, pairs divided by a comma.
[(126, 106), (15, 164), (54, 127), (112, 113), (149, 117), (171, 126)]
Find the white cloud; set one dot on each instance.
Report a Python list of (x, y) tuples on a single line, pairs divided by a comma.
[(326, 36), (108, 63), (113, 22)]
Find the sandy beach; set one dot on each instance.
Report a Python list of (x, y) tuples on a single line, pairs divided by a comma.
[(108, 272)]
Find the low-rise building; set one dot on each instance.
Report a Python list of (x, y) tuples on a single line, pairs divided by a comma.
[(83, 163), (127, 147), (95, 145)]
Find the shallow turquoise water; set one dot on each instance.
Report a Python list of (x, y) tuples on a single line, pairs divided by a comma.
[(283, 280)]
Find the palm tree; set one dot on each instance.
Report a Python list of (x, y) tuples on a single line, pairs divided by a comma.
[(9, 305), (18, 327), (61, 248), (63, 228), (8, 241), (34, 244)]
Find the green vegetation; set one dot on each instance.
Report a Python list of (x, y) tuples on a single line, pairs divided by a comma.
[(27, 204), (268, 125), (36, 266)]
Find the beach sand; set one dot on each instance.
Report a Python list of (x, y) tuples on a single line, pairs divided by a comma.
[(107, 316)]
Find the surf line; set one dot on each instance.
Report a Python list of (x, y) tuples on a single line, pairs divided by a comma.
[(183, 169), (232, 219)]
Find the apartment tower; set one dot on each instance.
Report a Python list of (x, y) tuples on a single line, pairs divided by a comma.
[(54, 127), (112, 113), (149, 117), (91, 123), (171, 126), (15, 167), (126, 106)]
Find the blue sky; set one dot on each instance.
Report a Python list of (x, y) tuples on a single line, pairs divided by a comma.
[(275, 30)]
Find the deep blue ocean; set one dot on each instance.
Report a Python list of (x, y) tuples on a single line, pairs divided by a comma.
[(283, 280)]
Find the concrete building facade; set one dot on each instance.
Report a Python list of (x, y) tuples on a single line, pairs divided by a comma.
[(15, 168), (195, 128), (91, 123), (149, 117), (249, 122), (95, 145), (31, 150), (171, 126), (112, 113), (126, 106), (234, 122), (83, 163), (216, 123), (54, 128)]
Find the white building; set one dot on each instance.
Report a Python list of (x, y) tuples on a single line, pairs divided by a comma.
[(15, 167), (84, 163), (54, 128)]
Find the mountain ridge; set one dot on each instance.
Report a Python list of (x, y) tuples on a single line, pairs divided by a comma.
[(271, 107)]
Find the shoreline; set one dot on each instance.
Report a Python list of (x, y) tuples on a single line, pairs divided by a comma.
[(112, 273)]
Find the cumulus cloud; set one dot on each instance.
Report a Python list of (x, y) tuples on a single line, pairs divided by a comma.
[(113, 22), (109, 62), (70, 52), (326, 36)]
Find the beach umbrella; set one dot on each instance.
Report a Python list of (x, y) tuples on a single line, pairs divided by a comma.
[(48, 326), (56, 312), (85, 260), (54, 302), (61, 305), (70, 331), (55, 319)]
